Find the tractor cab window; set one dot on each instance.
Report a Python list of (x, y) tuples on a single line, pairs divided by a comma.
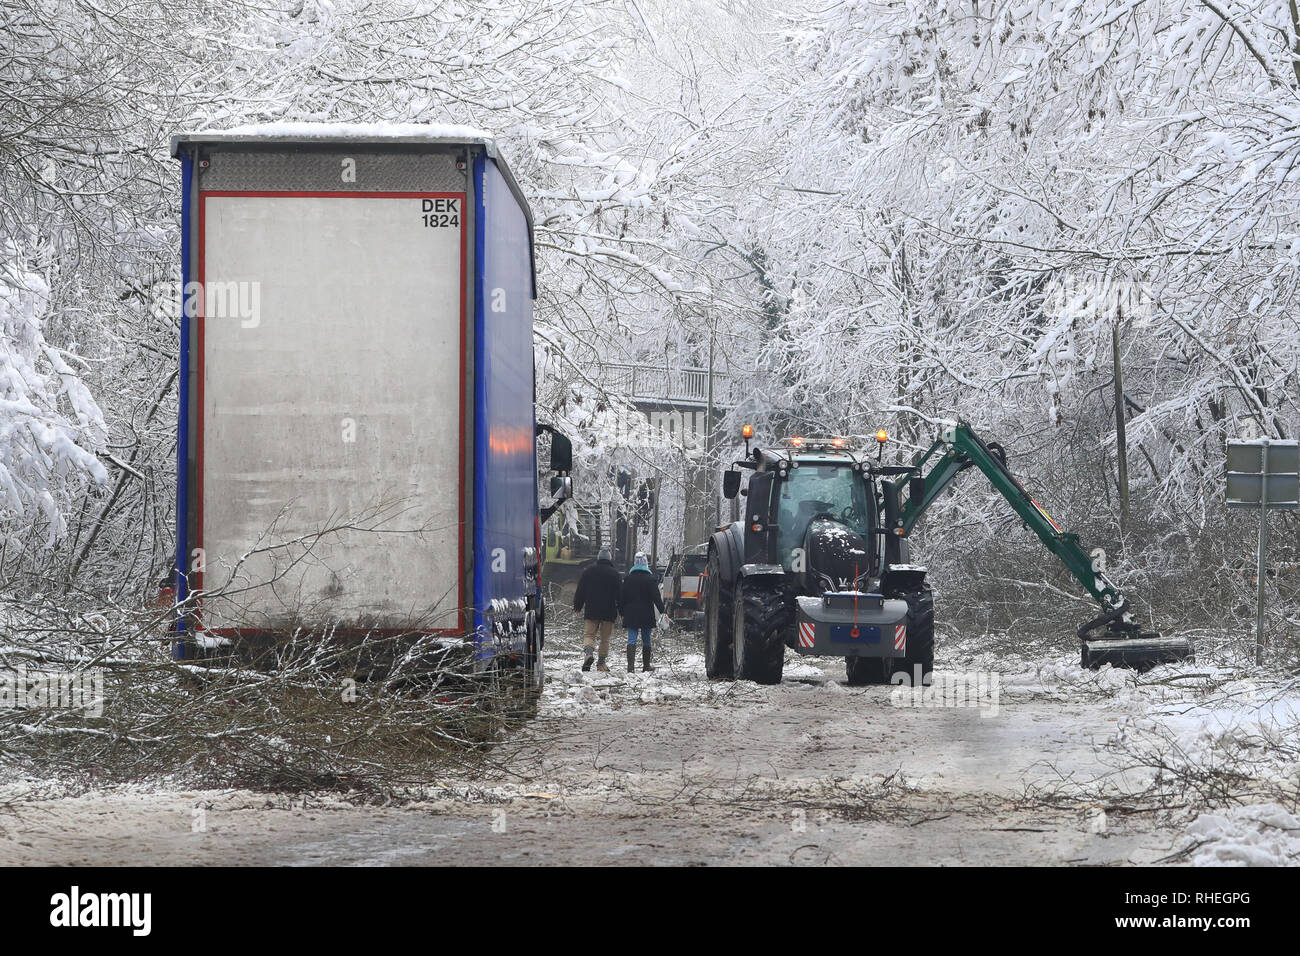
[(810, 491)]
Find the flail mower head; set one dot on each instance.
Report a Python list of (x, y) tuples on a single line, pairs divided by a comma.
[(1125, 644)]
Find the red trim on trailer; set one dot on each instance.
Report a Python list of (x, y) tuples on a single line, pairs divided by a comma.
[(537, 540), (465, 561), (462, 610), (337, 629), (196, 541), (324, 194)]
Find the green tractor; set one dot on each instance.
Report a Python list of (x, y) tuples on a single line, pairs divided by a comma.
[(820, 563)]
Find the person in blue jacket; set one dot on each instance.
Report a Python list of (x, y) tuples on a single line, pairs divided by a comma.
[(640, 603)]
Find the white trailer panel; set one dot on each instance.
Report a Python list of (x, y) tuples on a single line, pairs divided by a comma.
[(330, 423)]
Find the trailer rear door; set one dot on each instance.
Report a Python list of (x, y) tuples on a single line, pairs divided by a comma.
[(330, 424)]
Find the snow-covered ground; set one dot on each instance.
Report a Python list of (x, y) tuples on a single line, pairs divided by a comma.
[(1264, 835), (1049, 763)]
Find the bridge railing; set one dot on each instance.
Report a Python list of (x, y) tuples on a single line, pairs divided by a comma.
[(688, 386)]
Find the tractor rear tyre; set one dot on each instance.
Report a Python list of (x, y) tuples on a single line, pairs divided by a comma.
[(760, 615), (717, 622), (920, 638), (919, 653)]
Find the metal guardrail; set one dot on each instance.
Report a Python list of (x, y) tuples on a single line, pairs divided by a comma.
[(671, 385)]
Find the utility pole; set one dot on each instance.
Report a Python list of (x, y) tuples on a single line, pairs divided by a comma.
[(710, 469), (1121, 438), (1261, 564), (654, 525)]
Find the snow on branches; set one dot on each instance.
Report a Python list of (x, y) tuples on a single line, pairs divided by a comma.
[(984, 191), (50, 426)]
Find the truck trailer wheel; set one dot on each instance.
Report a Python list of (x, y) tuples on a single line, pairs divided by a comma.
[(534, 659), (502, 697), (717, 623), (759, 616)]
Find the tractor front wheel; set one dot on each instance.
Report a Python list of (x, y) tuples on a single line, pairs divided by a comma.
[(759, 618)]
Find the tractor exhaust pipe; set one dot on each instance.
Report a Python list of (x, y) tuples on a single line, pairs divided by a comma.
[(892, 493)]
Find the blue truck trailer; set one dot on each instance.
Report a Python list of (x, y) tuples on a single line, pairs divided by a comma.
[(357, 442)]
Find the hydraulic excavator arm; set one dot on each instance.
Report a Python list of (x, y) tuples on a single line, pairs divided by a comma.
[(1123, 643)]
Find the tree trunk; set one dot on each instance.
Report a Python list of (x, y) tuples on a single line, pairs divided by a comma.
[(1121, 439)]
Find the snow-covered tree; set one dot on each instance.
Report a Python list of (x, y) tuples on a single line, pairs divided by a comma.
[(986, 189), (50, 425)]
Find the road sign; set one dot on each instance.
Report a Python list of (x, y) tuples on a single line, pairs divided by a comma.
[(1251, 462), (1263, 474)]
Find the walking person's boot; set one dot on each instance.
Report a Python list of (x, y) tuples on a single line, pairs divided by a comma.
[(587, 662), (631, 658), (600, 665), (645, 656)]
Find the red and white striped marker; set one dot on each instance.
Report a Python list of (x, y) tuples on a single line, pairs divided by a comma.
[(900, 637), (807, 633)]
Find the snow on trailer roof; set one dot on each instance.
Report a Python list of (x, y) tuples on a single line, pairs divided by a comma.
[(353, 134), (342, 133), (374, 134)]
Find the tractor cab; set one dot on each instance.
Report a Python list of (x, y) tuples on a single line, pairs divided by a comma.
[(811, 509), (823, 510)]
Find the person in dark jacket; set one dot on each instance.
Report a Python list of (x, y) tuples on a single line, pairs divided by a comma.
[(639, 602), (597, 599)]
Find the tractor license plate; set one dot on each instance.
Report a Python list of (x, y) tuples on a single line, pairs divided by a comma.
[(855, 634)]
